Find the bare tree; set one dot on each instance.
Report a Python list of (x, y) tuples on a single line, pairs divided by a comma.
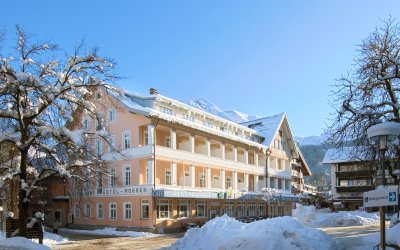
[(39, 98)]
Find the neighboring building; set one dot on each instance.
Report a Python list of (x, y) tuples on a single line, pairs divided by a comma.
[(299, 170), (352, 174), (181, 165)]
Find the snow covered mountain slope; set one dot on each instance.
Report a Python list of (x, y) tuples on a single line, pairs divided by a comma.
[(311, 140), (211, 108)]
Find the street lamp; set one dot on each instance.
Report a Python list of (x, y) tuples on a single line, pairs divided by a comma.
[(381, 135)]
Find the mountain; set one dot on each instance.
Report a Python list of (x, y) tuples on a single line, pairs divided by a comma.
[(311, 140), (211, 108)]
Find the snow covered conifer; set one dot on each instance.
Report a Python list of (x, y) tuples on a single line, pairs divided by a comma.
[(39, 96)]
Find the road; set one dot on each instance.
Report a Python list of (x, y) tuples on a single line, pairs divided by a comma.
[(350, 238)]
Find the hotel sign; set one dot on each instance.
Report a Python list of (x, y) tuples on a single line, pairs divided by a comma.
[(380, 198), (129, 190), (162, 193)]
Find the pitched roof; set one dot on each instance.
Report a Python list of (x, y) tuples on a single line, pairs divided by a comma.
[(345, 154)]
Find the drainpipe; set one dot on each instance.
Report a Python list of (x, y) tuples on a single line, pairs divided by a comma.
[(154, 167)]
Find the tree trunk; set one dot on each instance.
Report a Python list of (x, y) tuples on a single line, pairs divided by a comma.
[(23, 204)]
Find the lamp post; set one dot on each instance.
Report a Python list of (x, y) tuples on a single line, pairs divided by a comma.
[(381, 135)]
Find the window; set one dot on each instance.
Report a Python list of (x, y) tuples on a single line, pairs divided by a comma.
[(261, 209), (168, 177), (188, 117), (127, 211), (201, 209), (144, 213), (224, 129), (287, 210), (113, 211), (183, 208), (208, 124), (111, 143), (86, 124), (216, 177), (98, 95), (127, 175), (164, 209), (77, 211), (99, 211), (168, 142), (272, 211), (251, 209), (229, 208), (111, 181), (99, 182), (166, 110), (228, 182), (280, 210), (87, 210), (241, 210), (126, 139), (99, 146), (99, 122), (202, 180), (277, 144), (111, 115), (146, 138)]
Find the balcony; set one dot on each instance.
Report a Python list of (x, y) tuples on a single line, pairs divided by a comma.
[(355, 174), (342, 189)]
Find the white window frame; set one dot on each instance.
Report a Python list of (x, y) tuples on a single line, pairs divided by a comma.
[(127, 179), (228, 181), (99, 146), (112, 176), (88, 210), (144, 203), (203, 206), (146, 138), (168, 177), (127, 212), (183, 213), (77, 211), (124, 138), (112, 211), (168, 142), (112, 115), (202, 180), (100, 208), (164, 214), (166, 110), (86, 123)]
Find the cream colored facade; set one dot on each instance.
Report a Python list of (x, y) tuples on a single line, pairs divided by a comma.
[(179, 165)]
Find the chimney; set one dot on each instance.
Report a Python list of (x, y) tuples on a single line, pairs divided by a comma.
[(153, 91)]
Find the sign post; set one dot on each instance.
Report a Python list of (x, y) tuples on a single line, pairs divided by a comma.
[(381, 198)]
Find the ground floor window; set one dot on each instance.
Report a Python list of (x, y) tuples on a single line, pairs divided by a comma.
[(229, 208), (77, 211), (145, 209), (241, 210), (87, 210), (113, 210), (183, 208), (127, 211), (99, 213), (272, 211), (201, 209), (261, 209), (280, 210), (287, 210), (164, 209), (251, 209)]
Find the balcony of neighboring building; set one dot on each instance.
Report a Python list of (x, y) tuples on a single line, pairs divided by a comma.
[(343, 189)]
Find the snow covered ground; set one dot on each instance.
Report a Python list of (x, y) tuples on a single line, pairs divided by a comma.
[(49, 239), (311, 217), (112, 232)]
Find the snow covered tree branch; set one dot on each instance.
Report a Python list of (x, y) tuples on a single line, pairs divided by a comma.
[(39, 98)]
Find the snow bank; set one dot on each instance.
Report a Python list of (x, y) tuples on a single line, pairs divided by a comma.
[(223, 233), (311, 217), (21, 243), (112, 232), (393, 235), (48, 239)]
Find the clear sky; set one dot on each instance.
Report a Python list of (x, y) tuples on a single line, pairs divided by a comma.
[(257, 57)]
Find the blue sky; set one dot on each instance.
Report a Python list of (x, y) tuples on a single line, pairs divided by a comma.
[(257, 57)]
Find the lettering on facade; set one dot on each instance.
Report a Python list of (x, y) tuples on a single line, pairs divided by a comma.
[(133, 190), (184, 194)]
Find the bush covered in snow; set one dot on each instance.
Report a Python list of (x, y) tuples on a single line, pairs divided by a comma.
[(223, 233)]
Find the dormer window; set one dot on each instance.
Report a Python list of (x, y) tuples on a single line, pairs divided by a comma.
[(98, 95), (188, 117), (86, 124), (166, 110), (208, 124)]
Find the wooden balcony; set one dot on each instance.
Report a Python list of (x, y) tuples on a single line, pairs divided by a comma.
[(355, 174), (354, 189)]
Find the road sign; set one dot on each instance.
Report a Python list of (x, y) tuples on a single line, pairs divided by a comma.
[(380, 198)]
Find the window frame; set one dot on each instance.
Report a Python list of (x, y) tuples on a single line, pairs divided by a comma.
[(124, 142), (112, 211), (112, 115), (98, 204), (144, 203), (127, 169), (127, 210)]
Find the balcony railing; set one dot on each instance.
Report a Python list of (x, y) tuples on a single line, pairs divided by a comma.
[(355, 174), (341, 189)]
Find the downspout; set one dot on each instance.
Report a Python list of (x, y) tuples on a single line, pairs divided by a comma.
[(154, 169)]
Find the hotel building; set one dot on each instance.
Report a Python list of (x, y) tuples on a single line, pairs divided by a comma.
[(177, 165)]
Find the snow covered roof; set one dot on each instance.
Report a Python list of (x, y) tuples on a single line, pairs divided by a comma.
[(346, 154), (267, 127)]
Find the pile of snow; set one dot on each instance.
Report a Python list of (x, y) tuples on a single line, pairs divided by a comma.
[(393, 235), (225, 232), (111, 231), (21, 243), (311, 217), (48, 239)]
